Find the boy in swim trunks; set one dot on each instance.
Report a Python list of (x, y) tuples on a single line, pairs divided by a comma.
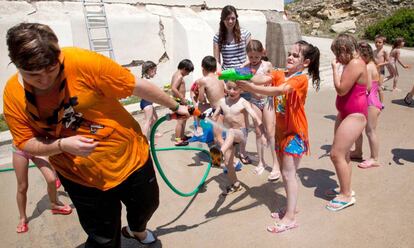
[(234, 109)]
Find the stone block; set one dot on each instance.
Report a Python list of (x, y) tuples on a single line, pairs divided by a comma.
[(280, 36)]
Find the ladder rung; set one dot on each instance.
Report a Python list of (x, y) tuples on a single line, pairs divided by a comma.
[(97, 27), (102, 50), (101, 39), (93, 4)]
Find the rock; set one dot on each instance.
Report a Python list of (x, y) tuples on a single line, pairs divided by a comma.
[(316, 25), (343, 26), (305, 15)]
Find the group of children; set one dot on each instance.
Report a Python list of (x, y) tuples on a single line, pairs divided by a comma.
[(278, 113), (277, 110)]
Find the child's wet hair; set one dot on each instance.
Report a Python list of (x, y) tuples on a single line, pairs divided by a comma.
[(366, 52), (209, 63), (186, 64), (344, 43), (312, 53), (397, 42), (146, 66)]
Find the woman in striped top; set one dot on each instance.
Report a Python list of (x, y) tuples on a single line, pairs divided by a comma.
[(231, 40)]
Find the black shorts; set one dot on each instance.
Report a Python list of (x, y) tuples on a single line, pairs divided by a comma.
[(100, 211)]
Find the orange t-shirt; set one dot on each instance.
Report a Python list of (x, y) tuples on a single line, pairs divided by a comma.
[(94, 83), (290, 109)]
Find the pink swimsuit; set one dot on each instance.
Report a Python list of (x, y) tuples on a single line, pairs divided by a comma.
[(355, 101), (373, 97)]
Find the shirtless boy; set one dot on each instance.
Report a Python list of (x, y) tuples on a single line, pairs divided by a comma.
[(234, 109), (381, 59), (185, 67), (211, 89)]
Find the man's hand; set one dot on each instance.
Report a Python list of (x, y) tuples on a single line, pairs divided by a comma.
[(182, 111), (78, 145)]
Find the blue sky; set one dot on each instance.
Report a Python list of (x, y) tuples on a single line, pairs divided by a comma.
[(288, 1)]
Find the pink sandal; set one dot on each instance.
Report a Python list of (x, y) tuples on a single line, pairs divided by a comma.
[(280, 227), (368, 164), (64, 210), (22, 228)]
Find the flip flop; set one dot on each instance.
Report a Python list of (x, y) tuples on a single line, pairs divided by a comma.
[(259, 170), (64, 210), (22, 228), (335, 192), (245, 159), (280, 227), (273, 176), (340, 204), (150, 239), (367, 164)]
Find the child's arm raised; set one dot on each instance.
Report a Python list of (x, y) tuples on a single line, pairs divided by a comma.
[(264, 90), (351, 74), (397, 57)]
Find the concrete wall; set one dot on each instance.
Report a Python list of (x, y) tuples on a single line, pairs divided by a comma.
[(161, 31)]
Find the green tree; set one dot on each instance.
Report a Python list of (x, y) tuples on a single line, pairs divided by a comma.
[(400, 24)]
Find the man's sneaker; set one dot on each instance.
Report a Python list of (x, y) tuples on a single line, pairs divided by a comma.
[(181, 142)]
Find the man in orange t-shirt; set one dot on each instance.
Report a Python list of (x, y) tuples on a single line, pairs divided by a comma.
[(63, 103)]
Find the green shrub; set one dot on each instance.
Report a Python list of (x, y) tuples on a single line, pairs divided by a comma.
[(400, 24)]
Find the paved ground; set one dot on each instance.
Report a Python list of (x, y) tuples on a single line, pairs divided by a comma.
[(382, 216)]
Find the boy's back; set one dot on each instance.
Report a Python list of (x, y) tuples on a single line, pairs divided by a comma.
[(213, 88)]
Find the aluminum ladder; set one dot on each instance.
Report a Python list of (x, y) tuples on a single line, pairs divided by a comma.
[(97, 27)]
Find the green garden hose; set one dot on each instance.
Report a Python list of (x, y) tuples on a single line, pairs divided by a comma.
[(12, 169), (157, 163)]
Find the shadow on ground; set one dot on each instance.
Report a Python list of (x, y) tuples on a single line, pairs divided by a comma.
[(330, 117), (402, 154), (402, 103), (319, 179), (44, 204)]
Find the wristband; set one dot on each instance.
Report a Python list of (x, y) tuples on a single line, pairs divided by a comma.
[(175, 108), (60, 145)]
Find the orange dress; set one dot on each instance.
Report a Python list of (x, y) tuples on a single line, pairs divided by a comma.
[(290, 111), (94, 85)]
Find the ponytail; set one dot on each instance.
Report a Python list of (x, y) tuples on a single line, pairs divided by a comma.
[(312, 53)]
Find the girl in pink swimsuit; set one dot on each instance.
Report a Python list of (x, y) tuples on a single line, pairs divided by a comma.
[(352, 115), (21, 166), (374, 109)]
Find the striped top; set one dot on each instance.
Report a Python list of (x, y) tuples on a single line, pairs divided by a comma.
[(234, 54)]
